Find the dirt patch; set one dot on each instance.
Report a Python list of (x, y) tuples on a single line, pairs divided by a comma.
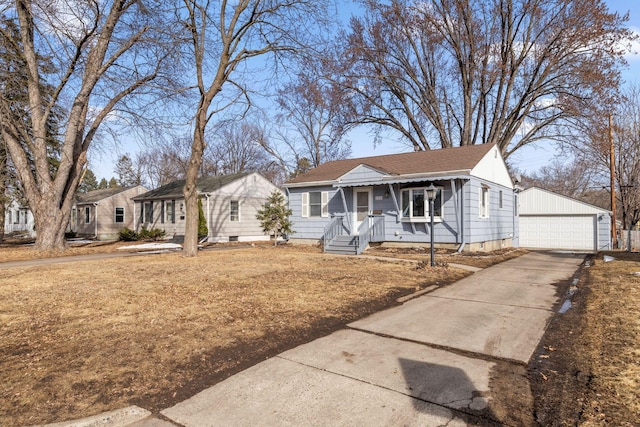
[(587, 368), (82, 338), (446, 256)]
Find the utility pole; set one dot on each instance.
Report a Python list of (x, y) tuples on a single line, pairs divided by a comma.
[(612, 163)]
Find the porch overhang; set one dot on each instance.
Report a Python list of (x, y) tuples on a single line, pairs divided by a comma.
[(405, 179)]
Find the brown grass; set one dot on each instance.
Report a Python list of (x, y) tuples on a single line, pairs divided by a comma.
[(475, 259), (612, 342), (82, 338)]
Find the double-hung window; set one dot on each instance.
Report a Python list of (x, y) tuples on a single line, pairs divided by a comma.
[(415, 205), (315, 204), (234, 211), (484, 202), (170, 211), (148, 212), (119, 215)]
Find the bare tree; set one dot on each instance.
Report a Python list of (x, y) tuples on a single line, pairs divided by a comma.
[(225, 36), (99, 54), (462, 72)]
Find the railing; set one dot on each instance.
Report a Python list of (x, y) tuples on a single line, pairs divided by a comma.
[(333, 229), (371, 230)]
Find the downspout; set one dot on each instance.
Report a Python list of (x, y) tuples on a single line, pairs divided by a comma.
[(207, 195), (95, 213), (460, 198), (344, 205)]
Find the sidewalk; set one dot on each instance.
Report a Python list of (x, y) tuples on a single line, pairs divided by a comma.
[(455, 356)]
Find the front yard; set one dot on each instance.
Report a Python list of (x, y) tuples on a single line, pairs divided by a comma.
[(82, 338)]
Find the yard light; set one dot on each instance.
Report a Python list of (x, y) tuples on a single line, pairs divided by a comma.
[(432, 193)]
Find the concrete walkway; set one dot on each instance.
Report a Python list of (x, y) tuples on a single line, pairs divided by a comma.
[(431, 361)]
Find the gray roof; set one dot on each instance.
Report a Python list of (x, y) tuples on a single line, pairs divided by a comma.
[(97, 195), (173, 190)]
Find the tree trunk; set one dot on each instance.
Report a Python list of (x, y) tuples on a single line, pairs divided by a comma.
[(190, 191), (51, 224)]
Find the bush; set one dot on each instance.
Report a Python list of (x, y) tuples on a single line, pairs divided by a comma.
[(153, 234), (128, 235)]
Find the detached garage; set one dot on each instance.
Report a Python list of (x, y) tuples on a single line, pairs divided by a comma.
[(551, 221)]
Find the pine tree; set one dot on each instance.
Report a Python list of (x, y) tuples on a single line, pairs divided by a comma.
[(113, 183), (89, 182), (274, 218), (203, 230), (103, 184)]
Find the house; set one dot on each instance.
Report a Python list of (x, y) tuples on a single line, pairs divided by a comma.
[(101, 214), (382, 199), (18, 219), (552, 221), (230, 204)]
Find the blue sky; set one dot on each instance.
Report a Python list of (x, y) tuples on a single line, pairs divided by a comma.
[(528, 159)]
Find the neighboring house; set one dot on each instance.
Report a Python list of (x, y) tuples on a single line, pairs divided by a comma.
[(382, 199), (552, 221), (230, 204), (101, 214), (18, 219)]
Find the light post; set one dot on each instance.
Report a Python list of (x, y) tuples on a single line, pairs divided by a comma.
[(432, 193)]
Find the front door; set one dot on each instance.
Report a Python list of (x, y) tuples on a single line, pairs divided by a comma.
[(362, 203)]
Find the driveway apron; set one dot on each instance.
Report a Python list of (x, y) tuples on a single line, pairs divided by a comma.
[(431, 361)]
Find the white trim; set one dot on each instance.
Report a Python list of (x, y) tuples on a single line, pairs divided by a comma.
[(115, 215), (305, 205), (324, 200), (231, 211), (369, 192), (427, 214), (484, 202)]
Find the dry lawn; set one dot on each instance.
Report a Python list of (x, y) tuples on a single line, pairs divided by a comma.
[(587, 371), (81, 338), (613, 320)]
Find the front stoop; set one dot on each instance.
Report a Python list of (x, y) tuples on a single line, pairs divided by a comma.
[(345, 245)]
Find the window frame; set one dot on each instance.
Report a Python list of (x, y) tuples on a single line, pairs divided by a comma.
[(484, 202), (231, 211), (426, 217), (306, 204), (87, 214), (115, 215), (147, 213)]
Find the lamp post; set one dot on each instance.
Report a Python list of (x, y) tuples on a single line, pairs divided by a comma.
[(432, 193)]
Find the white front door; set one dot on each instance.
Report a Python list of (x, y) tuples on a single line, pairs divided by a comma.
[(362, 207)]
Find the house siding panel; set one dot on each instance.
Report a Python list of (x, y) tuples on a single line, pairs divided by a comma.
[(500, 223)]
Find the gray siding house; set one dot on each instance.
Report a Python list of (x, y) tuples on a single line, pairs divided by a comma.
[(101, 214), (230, 204), (382, 199)]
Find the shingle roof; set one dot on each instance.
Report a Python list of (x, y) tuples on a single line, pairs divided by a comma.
[(432, 161), (97, 195), (205, 185)]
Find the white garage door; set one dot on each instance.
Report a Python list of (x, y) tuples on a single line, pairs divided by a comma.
[(558, 232)]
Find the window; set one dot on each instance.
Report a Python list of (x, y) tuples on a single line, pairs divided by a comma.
[(484, 202), (315, 204), (87, 214), (234, 210), (170, 211), (162, 212), (148, 212), (119, 215), (415, 204)]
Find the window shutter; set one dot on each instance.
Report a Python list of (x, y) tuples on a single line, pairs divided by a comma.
[(305, 205), (325, 204)]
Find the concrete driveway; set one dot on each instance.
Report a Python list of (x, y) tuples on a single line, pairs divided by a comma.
[(456, 356)]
